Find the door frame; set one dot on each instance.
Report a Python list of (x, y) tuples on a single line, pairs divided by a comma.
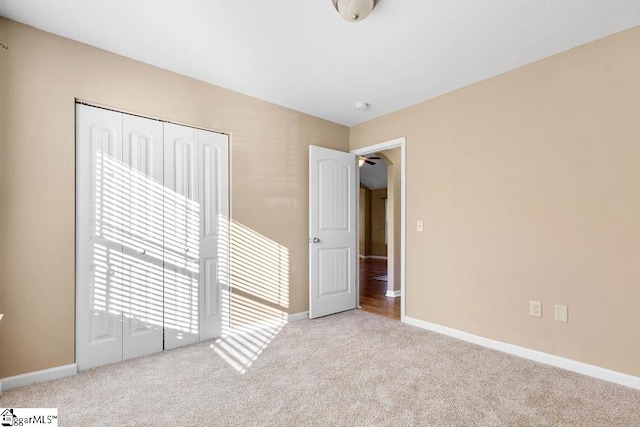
[(370, 149)]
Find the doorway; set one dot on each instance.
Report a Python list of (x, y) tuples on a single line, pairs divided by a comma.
[(376, 202), (376, 295)]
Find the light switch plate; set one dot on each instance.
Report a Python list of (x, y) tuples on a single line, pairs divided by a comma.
[(420, 225), (561, 314)]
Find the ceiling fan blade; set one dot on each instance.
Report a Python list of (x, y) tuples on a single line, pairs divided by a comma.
[(369, 162), (373, 158)]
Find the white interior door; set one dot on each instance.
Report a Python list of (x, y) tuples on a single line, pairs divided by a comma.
[(99, 274), (142, 250), (333, 178)]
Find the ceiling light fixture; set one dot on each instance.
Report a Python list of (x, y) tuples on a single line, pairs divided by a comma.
[(361, 106), (354, 10)]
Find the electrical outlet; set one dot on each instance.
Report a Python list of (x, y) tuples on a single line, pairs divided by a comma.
[(561, 313), (420, 225), (535, 308)]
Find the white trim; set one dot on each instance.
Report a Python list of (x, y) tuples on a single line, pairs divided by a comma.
[(357, 266), (537, 356), (298, 316), (393, 294), (373, 257), (388, 145), (38, 377)]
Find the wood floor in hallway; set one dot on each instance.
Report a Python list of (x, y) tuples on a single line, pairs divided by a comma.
[(372, 291)]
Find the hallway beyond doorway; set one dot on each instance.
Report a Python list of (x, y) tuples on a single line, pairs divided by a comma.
[(372, 291)]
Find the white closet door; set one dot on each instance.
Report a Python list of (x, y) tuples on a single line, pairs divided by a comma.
[(99, 275), (142, 259), (152, 235), (214, 230), (182, 224), (196, 233)]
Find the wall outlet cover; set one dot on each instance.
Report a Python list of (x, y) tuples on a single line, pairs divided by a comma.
[(535, 308)]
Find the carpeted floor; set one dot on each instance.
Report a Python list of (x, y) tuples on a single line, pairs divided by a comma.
[(352, 368)]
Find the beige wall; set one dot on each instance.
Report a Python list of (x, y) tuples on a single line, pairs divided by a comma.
[(4, 125), (41, 76), (372, 221), (365, 220), (528, 183), (529, 187), (378, 246)]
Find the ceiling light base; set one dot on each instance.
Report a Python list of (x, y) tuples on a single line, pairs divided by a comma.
[(354, 10)]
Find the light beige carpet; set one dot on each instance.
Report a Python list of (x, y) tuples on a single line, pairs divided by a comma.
[(352, 368)]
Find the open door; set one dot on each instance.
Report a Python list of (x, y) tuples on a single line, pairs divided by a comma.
[(333, 181)]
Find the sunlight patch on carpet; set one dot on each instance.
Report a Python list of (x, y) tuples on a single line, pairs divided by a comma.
[(243, 345), (259, 301)]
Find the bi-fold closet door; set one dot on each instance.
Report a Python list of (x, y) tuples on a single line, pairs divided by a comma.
[(151, 235)]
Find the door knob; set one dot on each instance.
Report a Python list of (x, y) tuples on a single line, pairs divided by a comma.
[(316, 240)]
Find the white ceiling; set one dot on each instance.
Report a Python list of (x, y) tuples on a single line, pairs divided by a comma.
[(301, 54), (374, 177)]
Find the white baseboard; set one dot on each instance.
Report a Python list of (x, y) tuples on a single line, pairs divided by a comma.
[(537, 356), (393, 294), (38, 377), (298, 316)]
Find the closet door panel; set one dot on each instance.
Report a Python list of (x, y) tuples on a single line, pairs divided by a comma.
[(99, 274), (214, 230), (152, 235), (143, 207), (182, 212)]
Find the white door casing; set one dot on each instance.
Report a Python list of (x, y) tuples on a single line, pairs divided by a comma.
[(333, 177)]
